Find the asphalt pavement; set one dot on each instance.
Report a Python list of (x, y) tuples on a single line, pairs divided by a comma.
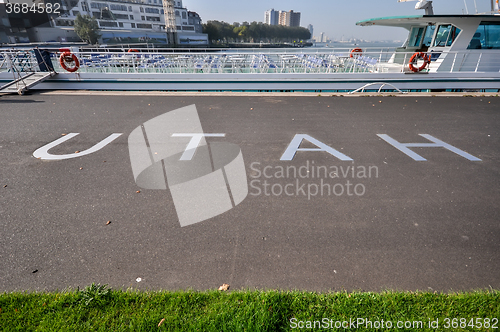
[(380, 220)]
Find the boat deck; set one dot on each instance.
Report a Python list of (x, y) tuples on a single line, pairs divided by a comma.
[(270, 70)]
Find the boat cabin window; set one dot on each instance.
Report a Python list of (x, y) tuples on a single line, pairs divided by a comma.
[(429, 33), (487, 36), (416, 35), (420, 36), (446, 35)]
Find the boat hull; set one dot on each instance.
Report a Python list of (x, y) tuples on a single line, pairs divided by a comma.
[(265, 82)]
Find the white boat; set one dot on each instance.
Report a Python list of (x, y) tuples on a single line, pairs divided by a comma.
[(442, 52)]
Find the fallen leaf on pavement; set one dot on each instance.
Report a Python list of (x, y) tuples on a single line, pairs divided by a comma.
[(224, 287)]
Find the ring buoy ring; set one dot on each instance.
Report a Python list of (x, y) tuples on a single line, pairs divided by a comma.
[(356, 51), (413, 61), (68, 57), (132, 50)]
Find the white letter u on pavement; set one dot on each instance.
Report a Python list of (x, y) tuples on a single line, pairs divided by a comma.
[(43, 152)]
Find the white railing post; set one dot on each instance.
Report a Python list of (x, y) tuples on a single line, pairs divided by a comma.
[(453, 64), (478, 61)]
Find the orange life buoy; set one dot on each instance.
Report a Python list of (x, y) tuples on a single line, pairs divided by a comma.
[(132, 50), (414, 58), (68, 57), (356, 51)]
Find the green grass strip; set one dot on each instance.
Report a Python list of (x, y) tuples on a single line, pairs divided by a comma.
[(97, 308)]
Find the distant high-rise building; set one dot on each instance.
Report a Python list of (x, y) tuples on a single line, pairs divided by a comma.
[(294, 19), (311, 29), (290, 18), (271, 17), (322, 38)]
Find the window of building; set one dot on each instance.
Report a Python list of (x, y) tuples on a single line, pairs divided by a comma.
[(487, 36), (142, 10), (131, 17), (132, 25), (177, 13), (120, 24), (143, 18), (121, 8), (144, 26), (184, 15), (97, 5), (129, 8), (108, 24), (63, 22), (121, 16)]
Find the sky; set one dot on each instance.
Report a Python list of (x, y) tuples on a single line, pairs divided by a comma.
[(336, 18)]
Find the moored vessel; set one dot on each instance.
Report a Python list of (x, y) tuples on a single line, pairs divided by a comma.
[(442, 52)]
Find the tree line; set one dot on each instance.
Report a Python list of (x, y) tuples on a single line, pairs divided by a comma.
[(223, 32)]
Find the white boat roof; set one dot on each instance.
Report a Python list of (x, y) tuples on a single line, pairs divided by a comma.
[(423, 20)]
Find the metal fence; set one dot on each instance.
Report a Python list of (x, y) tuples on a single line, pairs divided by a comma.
[(259, 61)]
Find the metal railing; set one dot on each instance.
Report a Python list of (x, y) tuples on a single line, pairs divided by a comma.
[(20, 65), (263, 61)]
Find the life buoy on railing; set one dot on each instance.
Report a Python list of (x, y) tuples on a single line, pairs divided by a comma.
[(356, 52), (413, 61), (132, 50), (69, 58)]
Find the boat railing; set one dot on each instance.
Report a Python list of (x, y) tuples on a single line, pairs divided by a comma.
[(276, 61), (18, 61)]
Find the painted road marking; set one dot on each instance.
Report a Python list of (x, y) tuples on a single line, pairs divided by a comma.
[(294, 147), (403, 147), (194, 143), (289, 154), (43, 152)]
